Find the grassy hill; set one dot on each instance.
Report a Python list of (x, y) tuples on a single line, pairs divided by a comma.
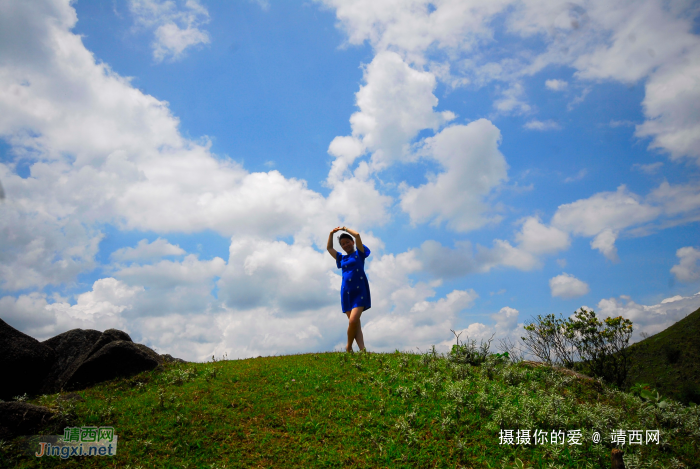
[(670, 360), (363, 410)]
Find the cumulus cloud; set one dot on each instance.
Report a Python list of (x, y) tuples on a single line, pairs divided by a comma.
[(556, 85), (128, 164), (145, 251), (300, 277), (175, 29), (649, 318), (473, 167), (605, 243), (39, 249), (621, 41), (567, 286), (396, 103), (534, 239), (101, 308), (542, 125), (512, 101), (537, 238), (687, 270), (651, 168), (604, 210)]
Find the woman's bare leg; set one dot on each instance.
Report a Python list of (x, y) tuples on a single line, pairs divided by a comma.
[(354, 328), (358, 336)]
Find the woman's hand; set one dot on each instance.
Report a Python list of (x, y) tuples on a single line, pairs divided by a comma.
[(337, 228)]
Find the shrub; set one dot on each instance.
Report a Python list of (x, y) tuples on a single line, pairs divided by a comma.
[(598, 348), (468, 352)]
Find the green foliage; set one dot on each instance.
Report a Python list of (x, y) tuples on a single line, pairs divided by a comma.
[(654, 399), (637, 389), (603, 346), (598, 348), (468, 352)]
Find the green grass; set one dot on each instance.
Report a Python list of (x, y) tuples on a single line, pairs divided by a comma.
[(340, 410), (670, 360)]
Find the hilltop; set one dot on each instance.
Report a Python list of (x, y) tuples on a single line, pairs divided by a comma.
[(365, 410)]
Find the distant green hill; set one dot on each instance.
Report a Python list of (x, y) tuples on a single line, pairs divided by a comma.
[(670, 360)]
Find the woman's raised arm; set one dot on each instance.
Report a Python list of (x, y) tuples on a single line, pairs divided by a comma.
[(332, 251)]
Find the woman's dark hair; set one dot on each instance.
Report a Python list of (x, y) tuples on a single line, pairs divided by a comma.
[(344, 235)]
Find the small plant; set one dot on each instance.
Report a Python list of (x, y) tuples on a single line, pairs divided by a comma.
[(654, 399), (468, 352), (22, 398), (519, 464), (637, 388)]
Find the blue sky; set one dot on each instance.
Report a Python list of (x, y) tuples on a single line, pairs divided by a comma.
[(172, 168)]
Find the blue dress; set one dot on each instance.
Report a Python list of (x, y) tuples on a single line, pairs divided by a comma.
[(354, 291)]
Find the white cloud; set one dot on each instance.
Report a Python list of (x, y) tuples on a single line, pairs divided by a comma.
[(623, 123), (567, 286), (605, 243), (396, 103), (101, 308), (649, 318), (622, 41), (542, 125), (533, 239), (604, 210), (556, 85), (687, 270), (473, 167), (145, 251), (536, 238), (677, 199), (506, 320), (41, 249), (670, 106), (512, 101), (175, 29), (580, 175), (561, 262), (285, 278), (651, 168)]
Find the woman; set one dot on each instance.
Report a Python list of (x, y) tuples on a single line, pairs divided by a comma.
[(354, 291)]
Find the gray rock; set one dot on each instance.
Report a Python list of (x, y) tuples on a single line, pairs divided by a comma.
[(117, 359), (108, 336), (71, 348), (25, 362), (170, 359), (151, 353), (20, 418)]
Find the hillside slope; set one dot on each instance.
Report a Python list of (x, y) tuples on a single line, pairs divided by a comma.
[(339, 410), (670, 360)]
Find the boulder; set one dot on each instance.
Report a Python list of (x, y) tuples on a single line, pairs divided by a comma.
[(117, 359), (20, 418), (108, 336), (25, 362), (71, 348)]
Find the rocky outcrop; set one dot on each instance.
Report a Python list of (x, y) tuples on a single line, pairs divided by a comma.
[(107, 337), (70, 348), (24, 364), (71, 360), (117, 359), (20, 418)]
